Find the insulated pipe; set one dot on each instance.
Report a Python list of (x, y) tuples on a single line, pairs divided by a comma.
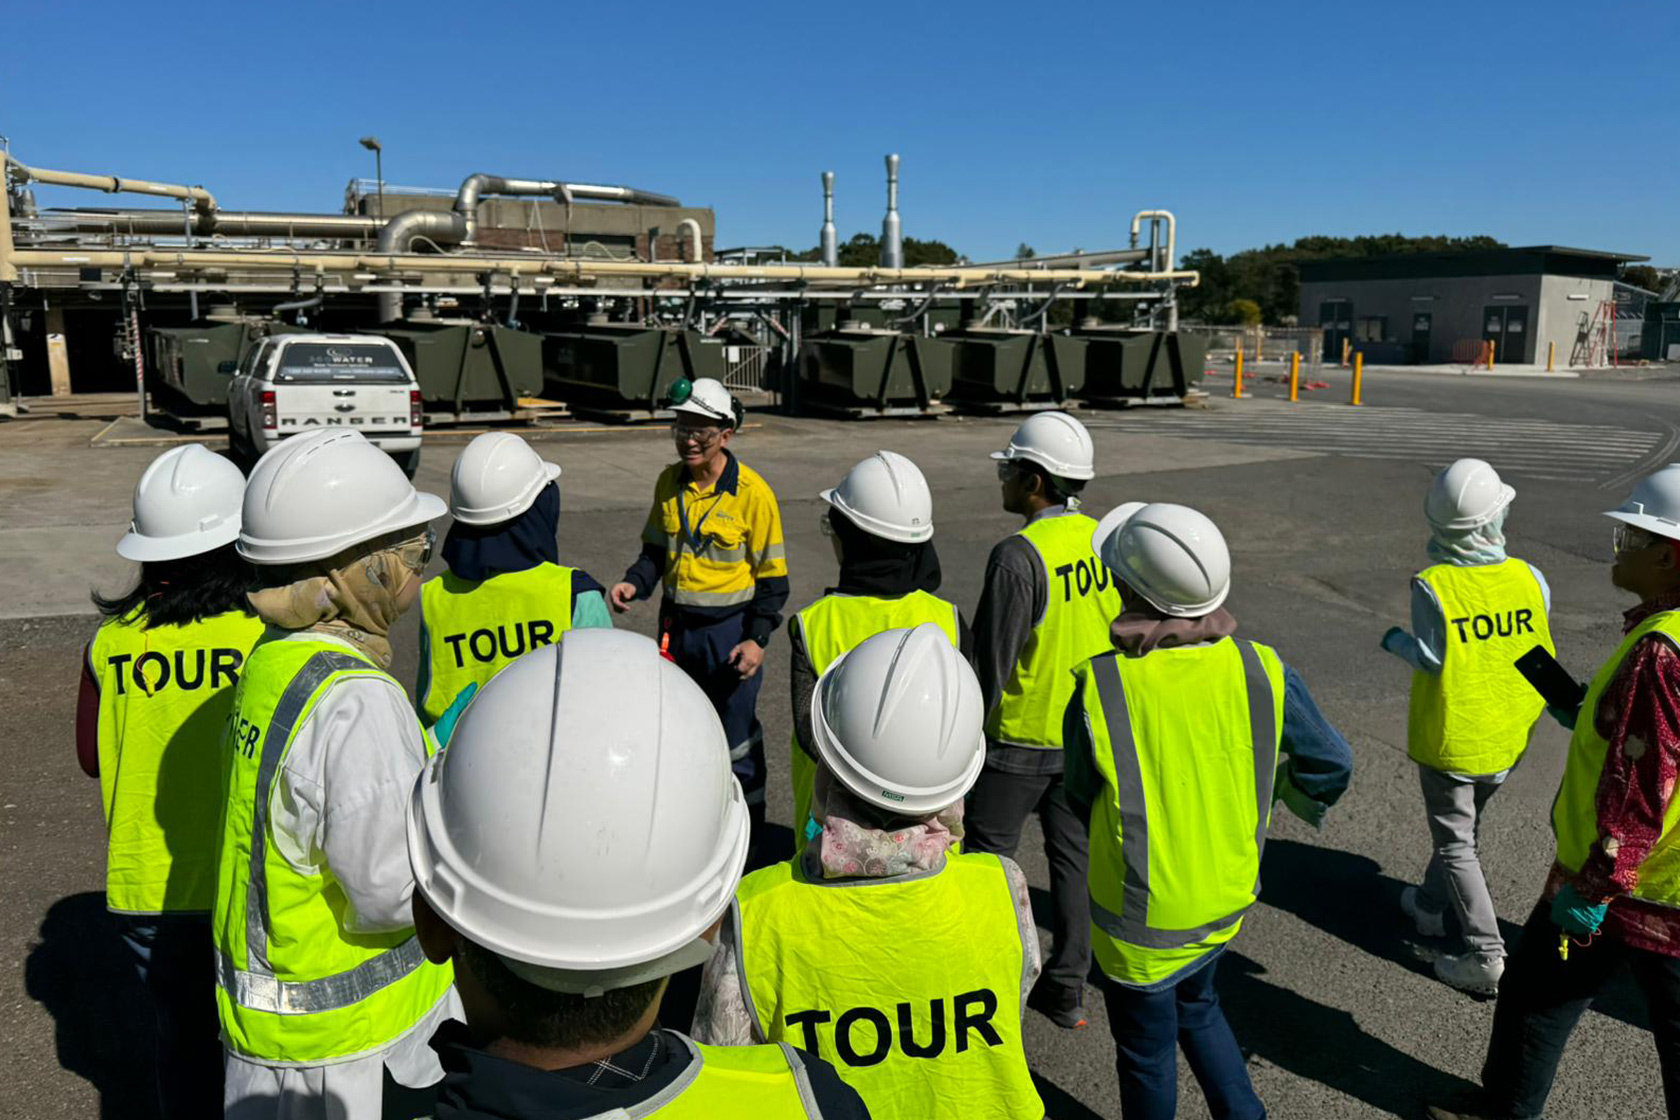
[(830, 238), (1172, 234), (1073, 260), (696, 249), (474, 187), (581, 270), (892, 230), (231, 223), (201, 199), (441, 226)]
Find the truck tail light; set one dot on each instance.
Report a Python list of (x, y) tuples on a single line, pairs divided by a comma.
[(414, 418), (270, 412)]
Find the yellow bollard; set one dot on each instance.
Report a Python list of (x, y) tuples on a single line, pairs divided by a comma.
[(1236, 386), (1347, 345), (1358, 375), (1490, 357), (1551, 352), (1295, 376)]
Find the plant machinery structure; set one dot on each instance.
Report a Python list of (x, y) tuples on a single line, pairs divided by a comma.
[(509, 291)]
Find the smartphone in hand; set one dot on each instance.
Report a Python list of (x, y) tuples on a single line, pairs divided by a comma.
[(1550, 679)]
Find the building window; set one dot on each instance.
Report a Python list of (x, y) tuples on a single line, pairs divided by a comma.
[(1372, 328)]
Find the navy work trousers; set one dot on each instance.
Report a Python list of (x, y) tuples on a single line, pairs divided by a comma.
[(1149, 1027), (175, 958), (701, 646)]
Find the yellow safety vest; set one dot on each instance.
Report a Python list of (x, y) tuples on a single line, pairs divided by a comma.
[(1186, 742), (1575, 810), (164, 697), (1476, 715), (720, 541), (473, 630), (291, 984), (761, 1082), (834, 625), (910, 986), (1083, 600)]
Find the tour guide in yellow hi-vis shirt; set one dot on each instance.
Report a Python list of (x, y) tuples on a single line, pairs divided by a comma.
[(714, 535)]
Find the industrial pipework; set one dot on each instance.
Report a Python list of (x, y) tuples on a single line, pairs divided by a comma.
[(1156, 217), (202, 200), (830, 239), (892, 231)]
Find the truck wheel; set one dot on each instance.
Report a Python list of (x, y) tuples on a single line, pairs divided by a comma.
[(409, 461)]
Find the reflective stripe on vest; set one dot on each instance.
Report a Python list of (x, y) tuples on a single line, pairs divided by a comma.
[(910, 986), (164, 697), (764, 1082), (718, 542), (309, 993), (1082, 599), (1148, 932), (836, 624), (1476, 715), (1575, 810), (474, 630)]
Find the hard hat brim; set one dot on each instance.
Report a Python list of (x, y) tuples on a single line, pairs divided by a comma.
[(1649, 522), (694, 408), (422, 509), (150, 550), (873, 526), (498, 514)]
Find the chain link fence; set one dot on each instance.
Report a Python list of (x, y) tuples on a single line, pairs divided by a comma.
[(1262, 346)]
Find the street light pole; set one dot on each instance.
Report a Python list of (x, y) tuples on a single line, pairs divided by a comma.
[(371, 143)]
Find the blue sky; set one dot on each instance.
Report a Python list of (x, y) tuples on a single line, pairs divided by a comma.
[(1537, 122)]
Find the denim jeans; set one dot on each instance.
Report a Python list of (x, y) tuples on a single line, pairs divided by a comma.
[(1454, 805), (1541, 998), (174, 956), (1148, 1028)]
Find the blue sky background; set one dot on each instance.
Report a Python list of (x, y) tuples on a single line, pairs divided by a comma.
[(1536, 122)]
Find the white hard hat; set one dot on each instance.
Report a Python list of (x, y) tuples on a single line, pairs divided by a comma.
[(1055, 441), (1654, 504), (1466, 495), (706, 397), (313, 496), (186, 504), (899, 720), (583, 823), (1111, 521), (1173, 556), (496, 478), (886, 496)]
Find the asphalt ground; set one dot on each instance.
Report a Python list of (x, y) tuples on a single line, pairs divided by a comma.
[(1327, 988)]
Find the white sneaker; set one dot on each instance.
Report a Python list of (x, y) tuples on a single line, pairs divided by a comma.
[(1471, 972), (1429, 923)]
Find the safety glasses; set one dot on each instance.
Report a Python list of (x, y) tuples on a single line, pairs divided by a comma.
[(415, 554), (1627, 539), (1005, 469), (705, 437)]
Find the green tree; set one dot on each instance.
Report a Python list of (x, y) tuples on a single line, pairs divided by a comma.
[(864, 251), (1025, 252), (1642, 276), (1244, 311)]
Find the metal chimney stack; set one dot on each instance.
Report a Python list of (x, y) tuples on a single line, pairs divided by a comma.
[(892, 233), (830, 239)]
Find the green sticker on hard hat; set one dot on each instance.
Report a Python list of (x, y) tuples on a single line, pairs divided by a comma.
[(891, 796), (681, 389)]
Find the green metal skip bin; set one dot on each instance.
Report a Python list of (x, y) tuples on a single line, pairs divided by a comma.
[(1125, 364), (1016, 369), (183, 367), (862, 369), (466, 367), (626, 366)]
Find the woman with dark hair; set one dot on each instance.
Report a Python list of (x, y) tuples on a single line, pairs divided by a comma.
[(880, 520), (157, 687)]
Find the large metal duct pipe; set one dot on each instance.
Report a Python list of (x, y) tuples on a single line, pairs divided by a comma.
[(475, 187), (892, 232), (202, 200), (830, 238), (1172, 236), (696, 247), (442, 227)]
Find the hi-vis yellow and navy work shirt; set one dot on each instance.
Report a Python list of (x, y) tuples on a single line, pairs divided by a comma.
[(719, 550)]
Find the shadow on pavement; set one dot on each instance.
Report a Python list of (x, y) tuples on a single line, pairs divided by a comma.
[(1348, 896), (1059, 1104), (1323, 1044), (102, 1016)]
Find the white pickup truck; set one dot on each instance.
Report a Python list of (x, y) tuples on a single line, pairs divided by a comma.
[(292, 383)]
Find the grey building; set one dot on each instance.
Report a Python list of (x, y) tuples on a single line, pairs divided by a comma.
[(1440, 307)]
